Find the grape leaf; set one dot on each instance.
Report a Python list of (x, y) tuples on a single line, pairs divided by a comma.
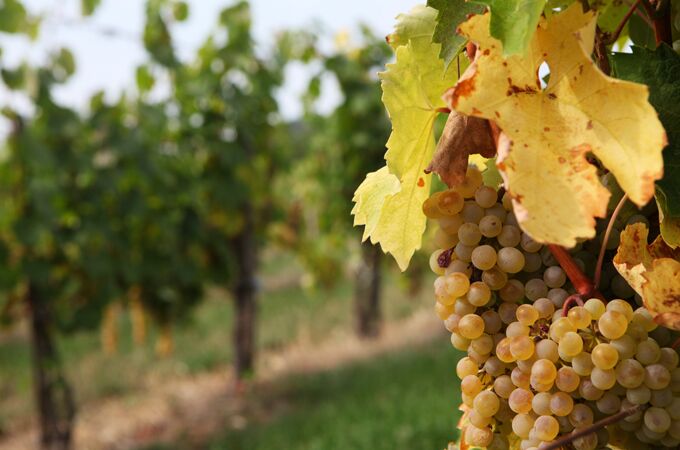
[(451, 14), (412, 92), (610, 13), (653, 271), (659, 70), (370, 198), (513, 22), (414, 27), (548, 132)]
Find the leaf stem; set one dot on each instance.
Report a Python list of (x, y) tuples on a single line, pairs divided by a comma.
[(581, 282), (613, 37), (569, 303), (659, 12), (563, 441), (603, 247)]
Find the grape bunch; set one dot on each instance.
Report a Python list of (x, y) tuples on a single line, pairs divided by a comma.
[(531, 372)]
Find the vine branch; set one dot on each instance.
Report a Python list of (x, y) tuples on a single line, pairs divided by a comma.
[(605, 239), (613, 37), (563, 441), (583, 285)]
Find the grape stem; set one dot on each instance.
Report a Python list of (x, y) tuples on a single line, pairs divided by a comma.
[(563, 441), (676, 344), (569, 303), (583, 285), (659, 11), (613, 37), (605, 240)]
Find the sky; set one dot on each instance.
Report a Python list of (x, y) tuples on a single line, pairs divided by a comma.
[(107, 62)]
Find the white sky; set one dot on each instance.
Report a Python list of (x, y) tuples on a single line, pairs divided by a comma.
[(108, 63)]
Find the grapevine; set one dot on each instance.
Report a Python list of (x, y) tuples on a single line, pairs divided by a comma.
[(555, 240)]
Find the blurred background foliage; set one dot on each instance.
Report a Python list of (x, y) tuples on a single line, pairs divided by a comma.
[(152, 237)]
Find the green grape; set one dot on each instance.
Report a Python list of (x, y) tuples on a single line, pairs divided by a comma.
[(661, 398), (459, 342), (558, 296), (546, 428), (478, 420), (479, 294), (464, 252), (490, 226), (522, 425), (588, 390), (494, 278), (648, 352), (621, 306), (625, 346), (609, 403), (450, 225), (483, 344), (486, 403), (605, 356), (507, 312), (503, 386), (471, 385), (603, 379), (471, 326), (492, 322), (529, 245), (581, 416), (486, 196), (554, 277), (509, 236), (561, 404), (579, 317), (472, 213), (587, 442), (668, 358), (478, 437), (510, 260), (513, 291), (567, 380), (517, 329), (630, 373), (519, 378), (469, 234), (547, 349), (520, 400), (535, 289), (498, 211), (527, 315), (522, 347), (484, 257), (583, 364), (595, 307), (473, 179), (561, 327), (532, 262), (657, 376), (450, 203), (612, 324), (434, 263), (465, 367), (545, 307), (494, 366), (544, 371), (657, 419), (571, 344), (444, 240), (644, 318), (540, 404), (503, 351)]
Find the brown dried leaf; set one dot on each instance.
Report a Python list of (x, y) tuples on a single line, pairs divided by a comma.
[(462, 136)]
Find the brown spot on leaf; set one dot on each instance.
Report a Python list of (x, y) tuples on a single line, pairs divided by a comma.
[(589, 126), (552, 96), (475, 112), (497, 114), (486, 52), (464, 88), (562, 160), (546, 129), (421, 182)]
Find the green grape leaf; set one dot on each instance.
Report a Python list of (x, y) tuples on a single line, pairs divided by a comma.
[(414, 27), (370, 198), (451, 14), (640, 33), (180, 11), (659, 71), (609, 13), (513, 22), (13, 17), (88, 7), (412, 93)]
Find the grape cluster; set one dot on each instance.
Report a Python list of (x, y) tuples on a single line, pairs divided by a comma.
[(530, 371)]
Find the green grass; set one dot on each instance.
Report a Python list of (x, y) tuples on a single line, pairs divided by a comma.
[(401, 401), (202, 343)]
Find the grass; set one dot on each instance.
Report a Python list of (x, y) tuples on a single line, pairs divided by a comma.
[(401, 401), (203, 343)]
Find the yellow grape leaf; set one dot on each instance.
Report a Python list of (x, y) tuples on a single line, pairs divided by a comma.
[(653, 271), (370, 197), (412, 92), (549, 131)]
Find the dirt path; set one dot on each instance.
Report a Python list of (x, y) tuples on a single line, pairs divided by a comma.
[(195, 408)]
